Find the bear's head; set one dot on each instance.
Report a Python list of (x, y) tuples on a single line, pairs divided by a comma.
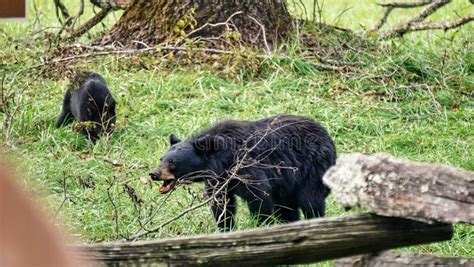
[(183, 160)]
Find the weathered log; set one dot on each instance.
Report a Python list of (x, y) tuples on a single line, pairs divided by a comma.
[(299, 242), (391, 259), (400, 188)]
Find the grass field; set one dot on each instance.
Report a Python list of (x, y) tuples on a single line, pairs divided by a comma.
[(412, 98)]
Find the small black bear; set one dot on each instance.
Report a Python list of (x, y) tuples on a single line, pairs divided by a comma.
[(275, 164), (89, 100)]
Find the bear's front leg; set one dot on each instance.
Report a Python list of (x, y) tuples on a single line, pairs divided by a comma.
[(260, 206), (223, 209)]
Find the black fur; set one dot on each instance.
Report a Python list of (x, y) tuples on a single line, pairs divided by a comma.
[(283, 161), (89, 99)]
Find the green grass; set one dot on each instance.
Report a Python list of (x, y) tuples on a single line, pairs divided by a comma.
[(412, 98)]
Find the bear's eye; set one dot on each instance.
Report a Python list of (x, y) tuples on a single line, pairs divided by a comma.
[(170, 161)]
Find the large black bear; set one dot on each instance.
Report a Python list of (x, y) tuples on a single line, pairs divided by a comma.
[(89, 100), (275, 164)]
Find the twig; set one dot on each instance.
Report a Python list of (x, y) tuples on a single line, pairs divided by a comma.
[(65, 198), (71, 21), (317, 8), (207, 24), (151, 216), (10, 105), (76, 17), (116, 163), (263, 32), (133, 196), (184, 212), (109, 196), (37, 14)]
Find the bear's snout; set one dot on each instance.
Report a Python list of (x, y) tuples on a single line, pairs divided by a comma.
[(162, 174)]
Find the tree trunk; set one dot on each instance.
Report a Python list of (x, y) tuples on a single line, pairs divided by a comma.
[(394, 187), (391, 259), (300, 242), (150, 22)]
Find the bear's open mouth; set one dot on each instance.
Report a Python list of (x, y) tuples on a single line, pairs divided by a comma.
[(167, 186)]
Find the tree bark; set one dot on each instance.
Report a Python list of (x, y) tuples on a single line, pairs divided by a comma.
[(299, 242), (152, 22), (394, 187), (391, 259)]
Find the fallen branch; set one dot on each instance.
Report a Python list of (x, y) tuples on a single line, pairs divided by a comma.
[(139, 51), (300, 242), (394, 187), (90, 23)]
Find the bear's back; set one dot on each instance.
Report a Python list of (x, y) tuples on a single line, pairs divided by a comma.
[(89, 94)]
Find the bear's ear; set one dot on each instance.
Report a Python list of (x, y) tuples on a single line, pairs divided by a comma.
[(174, 139), (209, 143)]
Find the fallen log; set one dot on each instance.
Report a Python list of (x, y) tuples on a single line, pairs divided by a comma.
[(300, 242), (400, 188), (392, 259)]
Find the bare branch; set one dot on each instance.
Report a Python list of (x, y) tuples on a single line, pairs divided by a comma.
[(184, 212), (383, 20), (441, 25), (437, 4), (71, 21), (406, 5), (207, 24), (90, 23), (110, 4), (263, 33), (417, 22), (60, 7), (76, 17)]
